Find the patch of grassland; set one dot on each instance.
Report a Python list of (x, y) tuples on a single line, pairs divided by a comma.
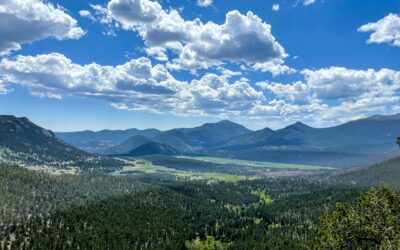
[(255, 163), (222, 177), (147, 166)]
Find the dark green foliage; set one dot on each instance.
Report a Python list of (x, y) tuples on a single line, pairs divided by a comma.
[(170, 213), (25, 194), (373, 222)]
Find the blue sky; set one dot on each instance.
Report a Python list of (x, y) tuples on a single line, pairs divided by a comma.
[(75, 65)]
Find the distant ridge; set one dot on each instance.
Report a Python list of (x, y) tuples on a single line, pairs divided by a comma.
[(101, 141)]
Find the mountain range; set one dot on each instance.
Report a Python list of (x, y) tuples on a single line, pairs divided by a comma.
[(354, 143)]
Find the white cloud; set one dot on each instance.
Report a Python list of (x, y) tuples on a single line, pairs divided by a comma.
[(396, 108), (331, 95), (86, 13), (339, 82), (241, 38), (24, 21), (275, 7), (324, 97), (204, 3), (3, 88), (308, 2), (386, 30), (297, 93), (275, 67), (136, 84), (213, 94)]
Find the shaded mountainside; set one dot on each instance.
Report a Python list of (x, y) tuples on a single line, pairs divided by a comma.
[(360, 136), (23, 142), (127, 145), (98, 142), (152, 148), (355, 143), (21, 135), (189, 140)]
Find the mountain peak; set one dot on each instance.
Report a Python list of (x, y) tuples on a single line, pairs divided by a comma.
[(298, 125), (226, 122)]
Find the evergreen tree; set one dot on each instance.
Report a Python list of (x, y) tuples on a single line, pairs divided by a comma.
[(373, 222)]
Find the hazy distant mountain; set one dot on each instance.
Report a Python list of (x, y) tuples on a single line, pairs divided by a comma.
[(369, 135), (127, 145), (98, 142), (190, 140), (23, 142), (357, 142), (152, 148)]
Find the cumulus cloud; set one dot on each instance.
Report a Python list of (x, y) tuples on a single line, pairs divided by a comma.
[(339, 82), (204, 3), (136, 84), (274, 67), (297, 93), (329, 95), (323, 96), (241, 38), (24, 21), (386, 30), (275, 7)]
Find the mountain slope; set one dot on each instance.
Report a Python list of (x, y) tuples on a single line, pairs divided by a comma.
[(252, 139), (190, 140), (387, 171), (97, 142), (21, 135), (355, 143), (152, 148), (23, 142), (127, 145)]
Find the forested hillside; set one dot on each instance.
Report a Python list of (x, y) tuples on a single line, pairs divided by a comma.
[(23, 142), (161, 212)]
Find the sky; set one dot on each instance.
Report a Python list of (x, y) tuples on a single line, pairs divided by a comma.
[(77, 65)]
